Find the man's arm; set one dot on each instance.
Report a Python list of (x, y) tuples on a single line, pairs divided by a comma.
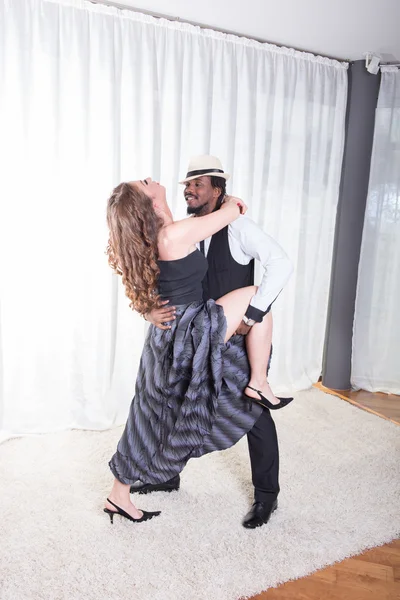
[(255, 243)]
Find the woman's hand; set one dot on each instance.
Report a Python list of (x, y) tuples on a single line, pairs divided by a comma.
[(232, 200)]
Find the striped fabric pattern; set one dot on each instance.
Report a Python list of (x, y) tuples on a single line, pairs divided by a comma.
[(188, 398)]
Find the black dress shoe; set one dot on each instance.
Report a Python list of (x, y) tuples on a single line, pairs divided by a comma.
[(172, 485), (259, 514)]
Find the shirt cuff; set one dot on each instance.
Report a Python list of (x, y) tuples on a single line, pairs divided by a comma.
[(256, 314)]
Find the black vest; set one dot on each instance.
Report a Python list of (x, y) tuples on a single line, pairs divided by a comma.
[(224, 273)]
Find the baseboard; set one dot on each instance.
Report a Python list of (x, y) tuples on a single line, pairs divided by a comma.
[(351, 401)]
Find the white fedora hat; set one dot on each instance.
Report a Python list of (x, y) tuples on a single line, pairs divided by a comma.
[(204, 165)]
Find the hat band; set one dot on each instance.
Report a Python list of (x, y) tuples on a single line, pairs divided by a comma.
[(203, 172)]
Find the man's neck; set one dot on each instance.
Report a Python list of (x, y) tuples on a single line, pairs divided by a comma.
[(204, 212), (207, 210)]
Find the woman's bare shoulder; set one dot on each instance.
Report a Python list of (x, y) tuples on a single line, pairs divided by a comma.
[(171, 243)]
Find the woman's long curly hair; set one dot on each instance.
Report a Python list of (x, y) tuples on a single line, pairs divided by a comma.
[(132, 246)]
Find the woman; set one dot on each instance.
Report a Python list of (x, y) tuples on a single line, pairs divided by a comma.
[(179, 379)]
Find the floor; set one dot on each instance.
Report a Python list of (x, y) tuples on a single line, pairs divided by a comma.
[(386, 406), (373, 575)]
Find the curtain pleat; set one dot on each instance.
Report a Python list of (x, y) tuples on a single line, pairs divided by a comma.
[(376, 333)]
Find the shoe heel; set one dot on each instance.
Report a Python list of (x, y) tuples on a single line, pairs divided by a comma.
[(110, 514)]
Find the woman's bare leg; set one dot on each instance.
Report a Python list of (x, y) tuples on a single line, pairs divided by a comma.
[(258, 345), (258, 340), (120, 496)]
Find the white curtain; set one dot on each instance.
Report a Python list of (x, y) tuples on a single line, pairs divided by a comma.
[(90, 96), (376, 335)]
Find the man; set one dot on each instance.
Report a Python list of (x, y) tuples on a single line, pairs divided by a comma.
[(230, 254)]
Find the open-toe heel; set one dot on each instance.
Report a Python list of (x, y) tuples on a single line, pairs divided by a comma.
[(266, 403), (119, 511)]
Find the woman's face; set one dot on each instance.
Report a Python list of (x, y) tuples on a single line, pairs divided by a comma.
[(153, 190)]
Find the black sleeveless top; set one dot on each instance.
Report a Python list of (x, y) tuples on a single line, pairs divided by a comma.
[(180, 280)]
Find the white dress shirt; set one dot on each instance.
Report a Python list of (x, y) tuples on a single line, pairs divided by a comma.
[(248, 241)]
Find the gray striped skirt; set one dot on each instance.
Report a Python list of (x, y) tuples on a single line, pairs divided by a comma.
[(188, 398)]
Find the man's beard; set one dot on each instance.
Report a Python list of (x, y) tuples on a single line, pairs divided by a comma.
[(195, 210)]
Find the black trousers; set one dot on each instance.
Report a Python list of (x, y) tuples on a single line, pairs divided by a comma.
[(264, 458)]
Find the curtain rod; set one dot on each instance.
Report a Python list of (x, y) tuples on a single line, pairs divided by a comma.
[(203, 26)]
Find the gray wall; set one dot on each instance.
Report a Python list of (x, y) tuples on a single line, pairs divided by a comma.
[(360, 121)]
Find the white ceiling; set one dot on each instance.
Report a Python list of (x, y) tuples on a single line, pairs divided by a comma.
[(345, 29)]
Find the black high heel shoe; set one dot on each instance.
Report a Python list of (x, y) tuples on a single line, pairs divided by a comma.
[(145, 517), (266, 403)]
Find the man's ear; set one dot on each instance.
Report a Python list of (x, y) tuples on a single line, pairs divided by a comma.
[(216, 193)]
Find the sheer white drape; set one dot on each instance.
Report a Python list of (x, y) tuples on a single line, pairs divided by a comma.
[(91, 96), (376, 337)]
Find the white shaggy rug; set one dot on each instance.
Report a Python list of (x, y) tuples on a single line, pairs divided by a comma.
[(340, 494)]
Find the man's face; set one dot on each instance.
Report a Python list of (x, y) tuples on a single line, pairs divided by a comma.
[(201, 198)]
